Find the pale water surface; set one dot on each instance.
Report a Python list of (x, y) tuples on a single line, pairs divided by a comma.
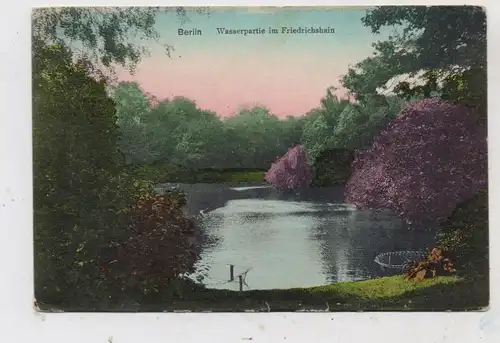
[(292, 241)]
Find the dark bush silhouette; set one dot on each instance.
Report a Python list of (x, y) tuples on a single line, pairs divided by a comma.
[(465, 234), (332, 167), (76, 185), (161, 247)]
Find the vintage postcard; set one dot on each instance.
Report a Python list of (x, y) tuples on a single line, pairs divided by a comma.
[(260, 159)]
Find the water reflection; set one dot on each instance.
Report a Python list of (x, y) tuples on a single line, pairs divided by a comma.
[(293, 242), (277, 246)]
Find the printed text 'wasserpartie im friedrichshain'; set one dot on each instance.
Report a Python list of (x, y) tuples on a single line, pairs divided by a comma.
[(261, 31)]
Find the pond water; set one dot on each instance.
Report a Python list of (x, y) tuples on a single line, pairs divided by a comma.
[(279, 241)]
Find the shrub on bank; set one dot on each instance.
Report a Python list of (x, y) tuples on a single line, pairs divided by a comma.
[(430, 158), (466, 235), (290, 171), (161, 247), (437, 263)]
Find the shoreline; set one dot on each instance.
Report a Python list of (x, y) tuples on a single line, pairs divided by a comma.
[(392, 293)]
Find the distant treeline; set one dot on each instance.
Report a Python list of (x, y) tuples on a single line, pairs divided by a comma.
[(177, 132)]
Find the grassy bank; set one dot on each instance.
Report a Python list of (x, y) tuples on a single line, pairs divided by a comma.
[(383, 294), (228, 176), (164, 173)]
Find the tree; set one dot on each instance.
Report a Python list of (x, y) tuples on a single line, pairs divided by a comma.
[(359, 124), (261, 138), (196, 147), (461, 38), (433, 44), (76, 164), (332, 106), (291, 171), (103, 36), (432, 156), (350, 120), (83, 203), (292, 129), (317, 137), (132, 106)]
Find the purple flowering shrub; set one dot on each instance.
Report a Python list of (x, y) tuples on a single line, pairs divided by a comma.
[(431, 157), (290, 171)]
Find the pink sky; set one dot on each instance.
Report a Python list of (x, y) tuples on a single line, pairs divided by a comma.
[(285, 85), (288, 74)]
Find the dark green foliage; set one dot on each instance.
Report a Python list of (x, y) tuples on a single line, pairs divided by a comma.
[(76, 164), (91, 219), (84, 210), (177, 132), (459, 49), (340, 124), (438, 34), (332, 167), (161, 246), (465, 234), (146, 172), (469, 89)]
